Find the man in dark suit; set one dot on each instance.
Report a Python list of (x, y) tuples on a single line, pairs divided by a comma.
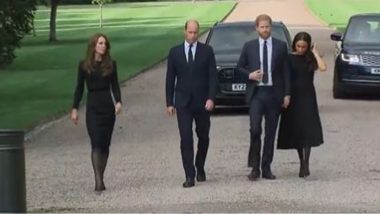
[(264, 62), (191, 84)]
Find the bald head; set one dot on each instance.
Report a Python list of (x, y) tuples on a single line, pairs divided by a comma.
[(191, 22), (191, 31)]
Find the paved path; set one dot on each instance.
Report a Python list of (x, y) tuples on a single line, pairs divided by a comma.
[(145, 172)]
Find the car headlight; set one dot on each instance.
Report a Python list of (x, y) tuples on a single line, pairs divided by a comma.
[(351, 58)]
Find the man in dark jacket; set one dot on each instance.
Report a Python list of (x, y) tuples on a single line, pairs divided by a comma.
[(191, 84), (264, 62)]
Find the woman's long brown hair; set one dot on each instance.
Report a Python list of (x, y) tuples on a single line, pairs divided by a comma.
[(106, 65)]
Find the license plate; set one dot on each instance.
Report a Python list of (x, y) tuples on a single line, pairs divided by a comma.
[(375, 70), (238, 87)]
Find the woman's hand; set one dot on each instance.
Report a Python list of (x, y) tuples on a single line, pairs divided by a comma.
[(74, 116), (314, 49), (118, 108), (320, 62)]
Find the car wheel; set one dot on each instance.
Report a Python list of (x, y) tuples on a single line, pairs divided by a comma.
[(338, 92)]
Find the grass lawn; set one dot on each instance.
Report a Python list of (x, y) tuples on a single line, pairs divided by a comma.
[(337, 12), (39, 85)]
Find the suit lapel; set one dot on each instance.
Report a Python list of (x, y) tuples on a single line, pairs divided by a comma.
[(197, 52), (274, 53), (257, 50), (182, 54)]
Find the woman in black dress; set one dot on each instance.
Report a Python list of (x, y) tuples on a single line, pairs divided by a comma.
[(300, 126), (99, 72)]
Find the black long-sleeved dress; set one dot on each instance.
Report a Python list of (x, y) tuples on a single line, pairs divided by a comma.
[(300, 124), (100, 109)]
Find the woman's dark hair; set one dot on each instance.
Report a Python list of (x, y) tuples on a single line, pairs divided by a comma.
[(309, 56), (89, 62)]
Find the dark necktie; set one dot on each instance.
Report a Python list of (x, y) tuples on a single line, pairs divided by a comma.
[(190, 59), (265, 62)]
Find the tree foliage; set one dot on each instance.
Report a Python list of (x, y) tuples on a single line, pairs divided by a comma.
[(16, 20)]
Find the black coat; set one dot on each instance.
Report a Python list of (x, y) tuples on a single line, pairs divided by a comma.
[(191, 85)]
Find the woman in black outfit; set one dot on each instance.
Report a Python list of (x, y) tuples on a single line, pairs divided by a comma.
[(300, 126), (99, 72)]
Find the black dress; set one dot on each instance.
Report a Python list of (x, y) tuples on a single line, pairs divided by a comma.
[(100, 110), (300, 125)]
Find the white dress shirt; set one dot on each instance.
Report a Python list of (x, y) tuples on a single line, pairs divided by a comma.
[(193, 49)]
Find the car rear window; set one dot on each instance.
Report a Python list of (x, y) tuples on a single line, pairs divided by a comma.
[(234, 37)]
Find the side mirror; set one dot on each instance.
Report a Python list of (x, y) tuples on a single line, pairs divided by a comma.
[(336, 36)]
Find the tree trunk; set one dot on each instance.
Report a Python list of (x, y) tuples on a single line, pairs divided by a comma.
[(53, 18)]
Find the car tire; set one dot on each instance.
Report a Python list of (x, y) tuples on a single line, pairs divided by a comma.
[(338, 92)]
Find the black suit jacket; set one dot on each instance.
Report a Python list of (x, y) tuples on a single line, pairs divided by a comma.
[(191, 85), (250, 61)]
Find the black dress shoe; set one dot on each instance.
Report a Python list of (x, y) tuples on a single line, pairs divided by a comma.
[(269, 176), (188, 183), (254, 175), (201, 176)]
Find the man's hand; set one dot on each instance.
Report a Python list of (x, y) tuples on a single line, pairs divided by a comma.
[(286, 102), (209, 105), (118, 108), (74, 116), (170, 110), (256, 75)]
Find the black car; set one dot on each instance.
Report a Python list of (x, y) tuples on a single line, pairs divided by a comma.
[(357, 56), (227, 40)]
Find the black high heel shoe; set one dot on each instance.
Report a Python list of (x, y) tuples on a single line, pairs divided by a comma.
[(99, 188), (307, 170), (302, 172)]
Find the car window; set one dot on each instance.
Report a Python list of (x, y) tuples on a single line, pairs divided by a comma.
[(363, 30), (234, 37)]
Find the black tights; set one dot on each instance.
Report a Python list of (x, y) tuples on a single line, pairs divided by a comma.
[(99, 157), (304, 156)]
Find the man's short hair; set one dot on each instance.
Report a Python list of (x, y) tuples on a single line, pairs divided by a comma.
[(263, 17)]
